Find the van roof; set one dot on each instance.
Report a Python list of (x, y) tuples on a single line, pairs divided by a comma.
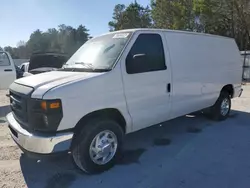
[(168, 30)]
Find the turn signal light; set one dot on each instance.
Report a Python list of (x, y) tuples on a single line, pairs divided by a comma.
[(54, 105), (46, 105)]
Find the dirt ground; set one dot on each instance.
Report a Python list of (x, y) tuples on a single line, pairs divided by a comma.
[(188, 152)]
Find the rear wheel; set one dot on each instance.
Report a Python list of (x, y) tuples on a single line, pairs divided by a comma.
[(221, 109), (97, 146)]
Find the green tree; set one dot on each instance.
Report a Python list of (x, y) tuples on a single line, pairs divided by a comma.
[(220, 17), (65, 39), (82, 34), (12, 51), (226, 18), (240, 26), (132, 16), (38, 42), (173, 14)]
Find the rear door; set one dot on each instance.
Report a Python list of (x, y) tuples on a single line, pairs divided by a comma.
[(7, 70), (147, 78)]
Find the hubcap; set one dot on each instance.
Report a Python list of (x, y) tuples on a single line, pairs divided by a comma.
[(103, 147), (225, 105)]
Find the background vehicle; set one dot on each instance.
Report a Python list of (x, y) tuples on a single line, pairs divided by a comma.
[(119, 83), (45, 62), (19, 72), (7, 70), (24, 67)]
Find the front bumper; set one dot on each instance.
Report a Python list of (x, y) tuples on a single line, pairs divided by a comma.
[(38, 143)]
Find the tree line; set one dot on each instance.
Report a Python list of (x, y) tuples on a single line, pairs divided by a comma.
[(221, 17), (64, 39)]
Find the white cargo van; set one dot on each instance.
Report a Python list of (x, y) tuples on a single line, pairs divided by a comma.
[(7, 70), (119, 83)]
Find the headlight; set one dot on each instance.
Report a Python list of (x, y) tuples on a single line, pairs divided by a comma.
[(45, 115)]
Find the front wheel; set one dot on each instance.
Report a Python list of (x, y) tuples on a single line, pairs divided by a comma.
[(98, 144), (221, 109)]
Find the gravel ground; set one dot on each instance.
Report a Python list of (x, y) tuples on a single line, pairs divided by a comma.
[(188, 152)]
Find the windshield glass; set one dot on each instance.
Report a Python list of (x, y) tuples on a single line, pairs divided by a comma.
[(100, 52)]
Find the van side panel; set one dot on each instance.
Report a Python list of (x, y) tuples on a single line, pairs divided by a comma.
[(201, 65)]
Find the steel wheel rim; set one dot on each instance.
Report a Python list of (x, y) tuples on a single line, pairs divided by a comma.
[(225, 105), (103, 147)]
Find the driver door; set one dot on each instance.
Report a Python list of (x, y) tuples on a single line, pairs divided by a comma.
[(7, 71), (147, 79)]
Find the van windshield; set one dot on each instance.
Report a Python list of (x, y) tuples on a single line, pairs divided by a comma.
[(99, 53)]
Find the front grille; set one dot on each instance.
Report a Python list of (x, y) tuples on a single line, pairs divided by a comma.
[(18, 103), (19, 98)]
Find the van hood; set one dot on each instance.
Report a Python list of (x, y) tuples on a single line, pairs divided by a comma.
[(49, 80)]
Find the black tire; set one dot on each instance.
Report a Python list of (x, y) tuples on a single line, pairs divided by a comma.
[(82, 141), (215, 110)]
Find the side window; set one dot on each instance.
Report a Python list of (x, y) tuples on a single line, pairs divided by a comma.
[(4, 59), (146, 55)]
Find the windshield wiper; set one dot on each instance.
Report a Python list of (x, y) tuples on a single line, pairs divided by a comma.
[(84, 64), (83, 69)]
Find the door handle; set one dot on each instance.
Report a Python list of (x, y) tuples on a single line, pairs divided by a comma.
[(7, 70), (168, 87)]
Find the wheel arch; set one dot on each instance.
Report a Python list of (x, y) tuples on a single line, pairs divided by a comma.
[(111, 113), (228, 88)]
